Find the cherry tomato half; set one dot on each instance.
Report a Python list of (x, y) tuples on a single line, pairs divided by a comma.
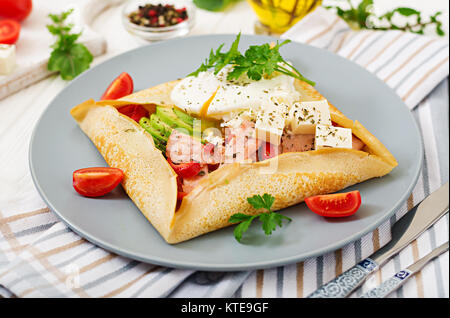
[(135, 112), (335, 205), (185, 170), (96, 181), (120, 87), (267, 151), (180, 194), (9, 31), (15, 9)]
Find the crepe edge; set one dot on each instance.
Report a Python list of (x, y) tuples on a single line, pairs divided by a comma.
[(149, 180), (188, 215)]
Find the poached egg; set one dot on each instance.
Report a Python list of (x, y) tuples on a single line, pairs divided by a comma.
[(214, 96)]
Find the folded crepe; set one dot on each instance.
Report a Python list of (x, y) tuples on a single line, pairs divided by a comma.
[(152, 184)]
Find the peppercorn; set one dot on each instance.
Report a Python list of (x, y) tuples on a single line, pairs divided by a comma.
[(151, 15)]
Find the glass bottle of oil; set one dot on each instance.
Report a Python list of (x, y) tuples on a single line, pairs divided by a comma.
[(277, 16)]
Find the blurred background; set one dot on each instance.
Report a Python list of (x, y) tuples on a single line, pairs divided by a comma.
[(107, 27)]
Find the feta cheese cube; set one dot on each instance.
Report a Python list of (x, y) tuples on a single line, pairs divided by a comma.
[(235, 120), (270, 123), (7, 58), (213, 135), (304, 116), (335, 137)]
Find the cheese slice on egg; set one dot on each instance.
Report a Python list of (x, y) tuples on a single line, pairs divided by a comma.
[(335, 137), (304, 116)]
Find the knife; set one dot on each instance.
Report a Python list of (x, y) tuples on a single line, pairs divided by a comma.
[(404, 231), (400, 277)]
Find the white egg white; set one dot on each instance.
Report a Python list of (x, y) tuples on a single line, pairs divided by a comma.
[(191, 93)]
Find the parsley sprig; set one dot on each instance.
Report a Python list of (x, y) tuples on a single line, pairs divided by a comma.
[(363, 17), (257, 62), (68, 57), (270, 220)]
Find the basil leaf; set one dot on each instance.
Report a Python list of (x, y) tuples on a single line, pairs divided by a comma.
[(70, 62), (68, 57)]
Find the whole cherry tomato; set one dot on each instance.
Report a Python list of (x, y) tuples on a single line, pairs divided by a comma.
[(15, 9)]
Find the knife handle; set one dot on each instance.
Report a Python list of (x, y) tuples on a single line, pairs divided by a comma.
[(388, 286), (347, 282)]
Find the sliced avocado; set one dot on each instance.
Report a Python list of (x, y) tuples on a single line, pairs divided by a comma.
[(160, 145), (168, 116), (146, 124), (162, 128), (205, 123), (184, 116)]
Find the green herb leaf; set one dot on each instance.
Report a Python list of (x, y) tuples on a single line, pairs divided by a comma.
[(239, 217), (243, 226), (261, 202), (406, 11), (363, 17), (71, 61), (224, 59), (364, 11), (68, 57), (270, 220), (258, 61)]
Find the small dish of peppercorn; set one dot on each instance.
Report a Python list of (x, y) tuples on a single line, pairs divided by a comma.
[(158, 20)]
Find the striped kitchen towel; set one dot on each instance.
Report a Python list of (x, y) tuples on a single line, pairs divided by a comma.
[(41, 257)]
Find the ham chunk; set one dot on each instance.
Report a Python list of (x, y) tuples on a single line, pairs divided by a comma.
[(297, 143), (357, 144), (182, 148), (213, 154), (241, 144)]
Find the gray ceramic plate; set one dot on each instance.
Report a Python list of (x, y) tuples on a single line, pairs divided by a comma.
[(58, 147)]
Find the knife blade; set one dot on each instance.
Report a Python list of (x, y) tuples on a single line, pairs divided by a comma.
[(404, 231), (402, 276)]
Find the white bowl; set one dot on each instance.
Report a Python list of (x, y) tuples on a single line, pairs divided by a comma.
[(158, 33)]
